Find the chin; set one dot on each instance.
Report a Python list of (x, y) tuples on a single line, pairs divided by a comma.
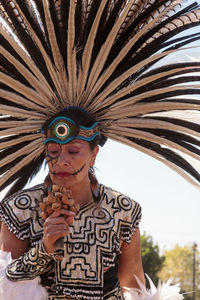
[(65, 182), (70, 182)]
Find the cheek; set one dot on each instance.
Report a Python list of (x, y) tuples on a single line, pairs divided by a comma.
[(81, 158), (51, 162), (79, 162), (88, 160)]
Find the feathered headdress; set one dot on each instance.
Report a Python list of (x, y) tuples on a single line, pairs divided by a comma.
[(101, 56)]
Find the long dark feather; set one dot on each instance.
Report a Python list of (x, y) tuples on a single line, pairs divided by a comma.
[(170, 156), (33, 21), (25, 175), (102, 56), (27, 41)]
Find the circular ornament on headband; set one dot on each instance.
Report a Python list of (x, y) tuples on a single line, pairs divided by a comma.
[(62, 130)]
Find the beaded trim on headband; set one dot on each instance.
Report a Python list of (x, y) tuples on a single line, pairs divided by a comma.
[(62, 130)]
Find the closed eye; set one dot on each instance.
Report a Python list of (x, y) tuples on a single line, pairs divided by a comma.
[(73, 152), (53, 154)]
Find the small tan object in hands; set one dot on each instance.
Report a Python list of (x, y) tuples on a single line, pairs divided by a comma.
[(58, 198)]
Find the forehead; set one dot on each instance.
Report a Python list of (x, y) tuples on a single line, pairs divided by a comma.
[(74, 142)]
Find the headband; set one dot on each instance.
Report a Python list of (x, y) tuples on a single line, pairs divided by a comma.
[(62, 130)]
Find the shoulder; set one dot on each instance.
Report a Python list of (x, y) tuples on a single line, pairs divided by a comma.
[(24, 199), (125, 211), (117, 198), (21, 210)]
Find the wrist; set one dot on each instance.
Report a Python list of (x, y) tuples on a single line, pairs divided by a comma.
[(46, 250), (31, 264), (42, 249)]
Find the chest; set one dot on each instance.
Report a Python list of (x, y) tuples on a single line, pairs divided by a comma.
[(90, 248)]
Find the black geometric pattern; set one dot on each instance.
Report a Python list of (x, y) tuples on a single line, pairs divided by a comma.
[(91, 248), (21, 213), (28, 266)]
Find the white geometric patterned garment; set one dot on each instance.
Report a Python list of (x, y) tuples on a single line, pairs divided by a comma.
[(91, 248)]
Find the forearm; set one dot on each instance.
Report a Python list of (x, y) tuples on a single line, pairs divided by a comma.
[(31, 264), (130, 263)]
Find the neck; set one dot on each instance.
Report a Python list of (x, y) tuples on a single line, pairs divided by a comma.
[(83, 194)]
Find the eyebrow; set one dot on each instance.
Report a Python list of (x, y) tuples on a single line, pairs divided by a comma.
[(74, 143)]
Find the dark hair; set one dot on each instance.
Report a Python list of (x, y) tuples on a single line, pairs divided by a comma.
[(80, 117)]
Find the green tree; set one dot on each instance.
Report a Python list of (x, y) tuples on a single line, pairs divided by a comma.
[(179, 265), (151, 259)]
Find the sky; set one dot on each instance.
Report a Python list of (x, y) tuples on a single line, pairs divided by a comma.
[(170, 205)]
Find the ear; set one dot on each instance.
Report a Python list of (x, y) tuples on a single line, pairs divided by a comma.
[(94, 154)]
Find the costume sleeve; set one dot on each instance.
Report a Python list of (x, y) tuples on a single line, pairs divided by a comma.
[(131, 217), (12, 290), (31, 264), (125, 212), (21, 213)]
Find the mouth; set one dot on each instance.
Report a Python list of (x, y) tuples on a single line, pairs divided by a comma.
[(62, 174)]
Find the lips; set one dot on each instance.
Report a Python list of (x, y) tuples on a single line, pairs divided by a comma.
[(63, 174)]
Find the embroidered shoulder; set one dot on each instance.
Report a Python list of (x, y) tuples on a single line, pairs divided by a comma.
[(20, 212), (125, 211)]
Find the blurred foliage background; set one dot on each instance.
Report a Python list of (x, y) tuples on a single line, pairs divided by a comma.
[(182, 263)]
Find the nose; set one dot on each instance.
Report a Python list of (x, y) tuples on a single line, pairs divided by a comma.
[(63, 158)]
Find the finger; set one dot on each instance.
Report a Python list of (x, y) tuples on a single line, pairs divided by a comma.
[(60, 220), (50, 238), (54, 227), (63, 212), (56, 220), (69, 220), (55, 231), (57, 234)]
